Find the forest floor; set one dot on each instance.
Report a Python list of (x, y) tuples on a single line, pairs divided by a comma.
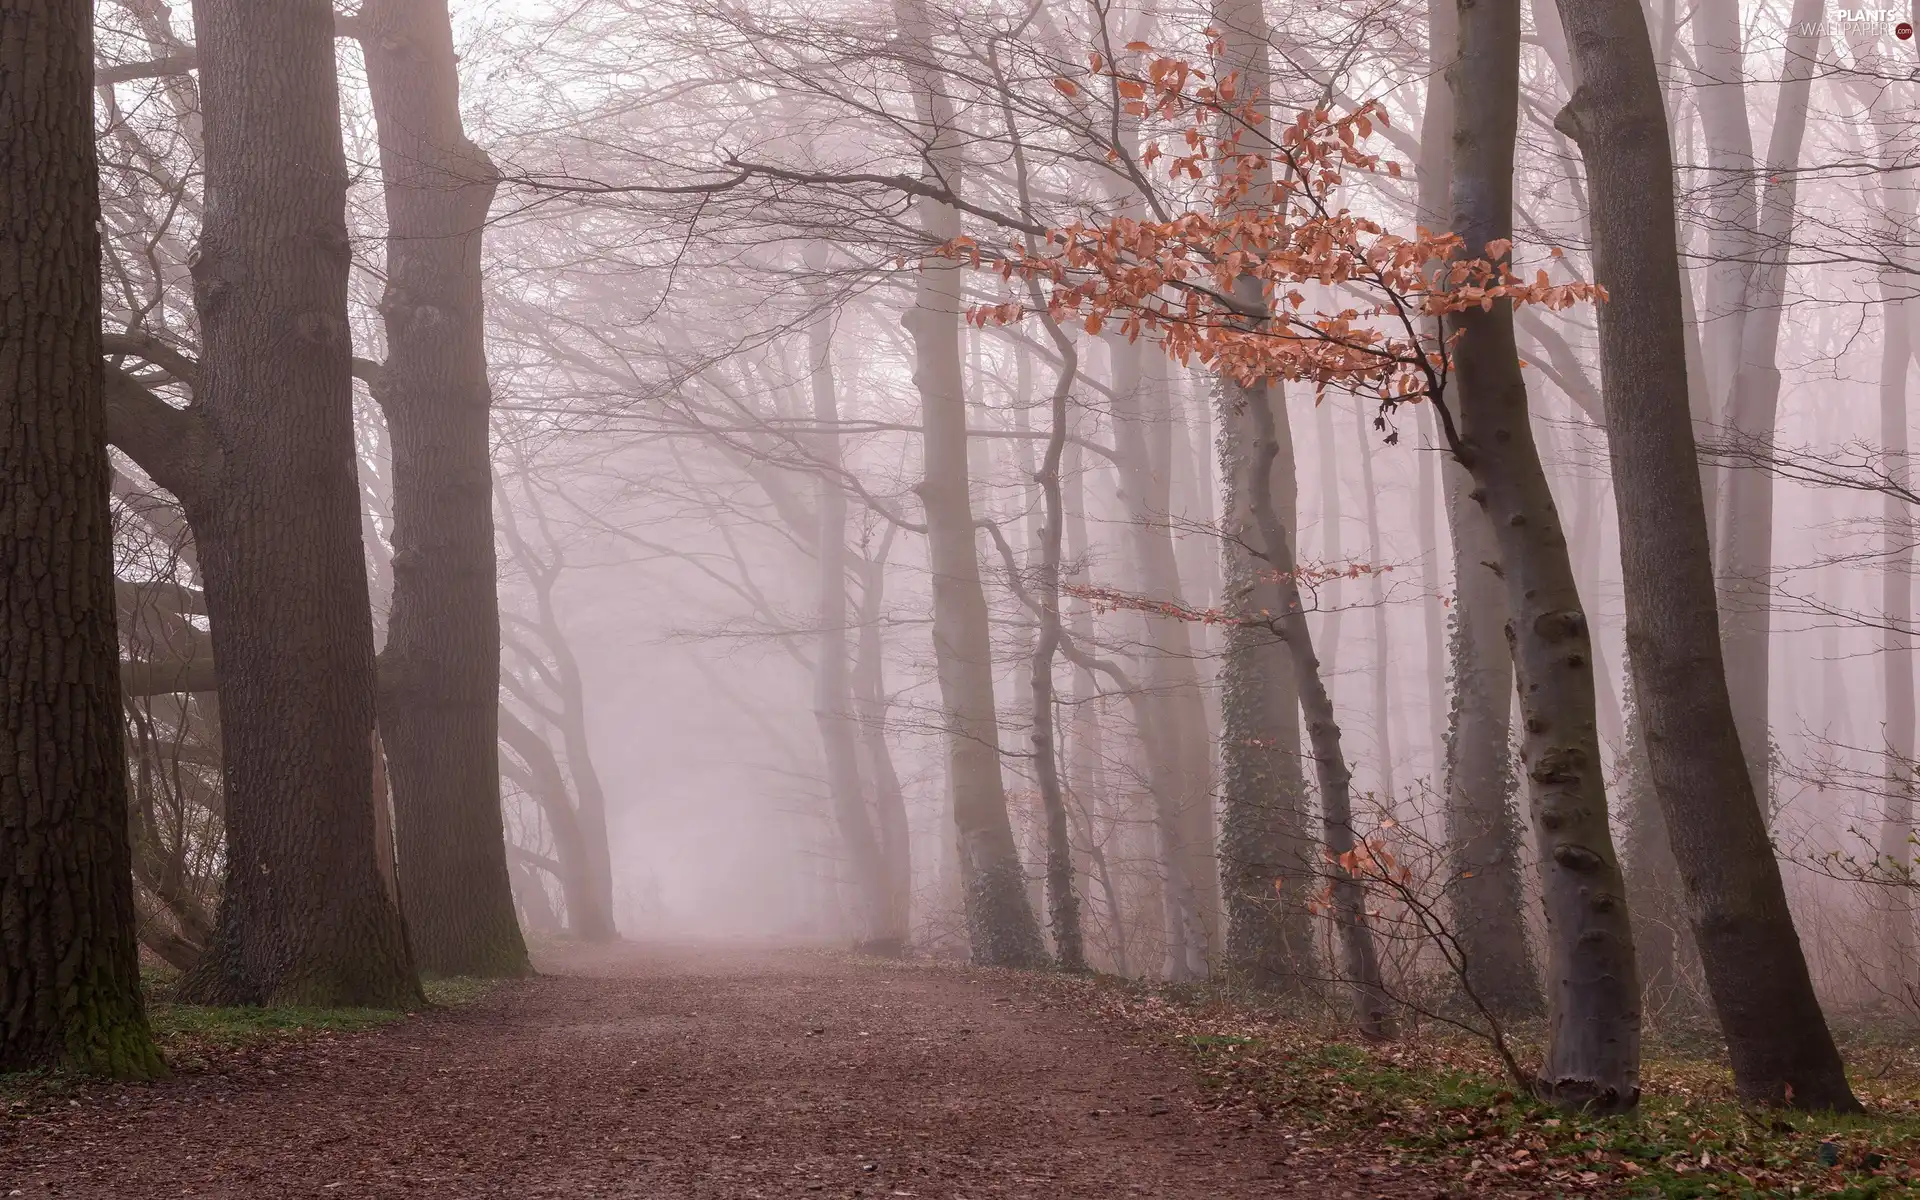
[(666, 1073), (739, 1072)]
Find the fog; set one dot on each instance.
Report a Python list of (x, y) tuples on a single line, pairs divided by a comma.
[(780, 331)]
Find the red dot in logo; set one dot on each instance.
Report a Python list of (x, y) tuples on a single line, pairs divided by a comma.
[(1903, 31)]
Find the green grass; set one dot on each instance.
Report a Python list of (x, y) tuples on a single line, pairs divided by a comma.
[(1439, 1097), (192, 1035)]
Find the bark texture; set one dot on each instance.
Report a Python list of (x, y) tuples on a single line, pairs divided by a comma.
[(69, 969), (305, 917), (1267, 868), (440, 667), (1776, 1034), (1592, 1059)]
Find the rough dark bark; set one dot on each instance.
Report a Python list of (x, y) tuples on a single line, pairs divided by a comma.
[(440, 668), (1001, 926), (1776, 1034), (304, 917), (69, 969), (1592, 1059)]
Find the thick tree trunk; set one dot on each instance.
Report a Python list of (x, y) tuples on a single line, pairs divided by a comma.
[(1593, 998), (1776, 1034), (1267, 863), (1000, 923), (440, 668), (69, 965), (833, 709), (1745, 542), (304, 917)]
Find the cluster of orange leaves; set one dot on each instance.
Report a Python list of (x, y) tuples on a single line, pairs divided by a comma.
[(1271, 229)]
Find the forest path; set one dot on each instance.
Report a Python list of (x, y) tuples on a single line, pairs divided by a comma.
[(694, 1072)]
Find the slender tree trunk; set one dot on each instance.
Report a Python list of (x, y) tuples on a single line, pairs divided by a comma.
[(1488, 906), (1733, 204), (1266, 855), (440, 669), (1896, 846), (1000, 923), (1376, 597), (870, 704), (1063, 903), (1776, 1034), (1085, 743), (69, 954), (1593, 997), (589, 909), (1745, 558), (1429, 502), (1359, 961), (304, 917), (1178, 775), (592, 798), (1330, 596), (833, 707)]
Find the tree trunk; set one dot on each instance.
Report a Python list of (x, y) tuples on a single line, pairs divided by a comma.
[(304, 917), (1896, 848), (1376, 598), (1733, 206), (833, 710), (1179, 775), (1487, 904), (589, 911), (870, 702), (1000, 923), (1592, 1058), (440, 669), (1359, 962), (1086, 776), (1745, 543), (1776, 1034), (1266, 856), (1063, 901), (69, 957)]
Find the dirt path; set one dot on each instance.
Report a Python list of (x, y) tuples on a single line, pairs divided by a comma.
[(667, 1074)]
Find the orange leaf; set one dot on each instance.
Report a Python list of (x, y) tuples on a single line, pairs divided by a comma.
[(1066, 87)]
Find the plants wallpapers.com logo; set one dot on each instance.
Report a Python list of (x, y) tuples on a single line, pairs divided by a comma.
[(1854, 22)]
